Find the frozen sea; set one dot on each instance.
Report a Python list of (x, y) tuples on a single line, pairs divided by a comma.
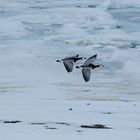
[(51, 103)]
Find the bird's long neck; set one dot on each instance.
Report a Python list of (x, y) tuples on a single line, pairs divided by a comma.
[(76, 59), (95, 66)]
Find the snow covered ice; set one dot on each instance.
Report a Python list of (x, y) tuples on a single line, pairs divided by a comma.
[(39, 100)]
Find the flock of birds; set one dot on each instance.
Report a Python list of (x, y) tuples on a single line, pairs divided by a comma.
[(86, 67)]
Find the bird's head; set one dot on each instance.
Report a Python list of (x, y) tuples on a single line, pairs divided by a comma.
[(77, 67), (58, 61), (77, 55)]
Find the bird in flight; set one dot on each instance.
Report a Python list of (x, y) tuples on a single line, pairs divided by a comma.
[(88, 66), (69, 62)]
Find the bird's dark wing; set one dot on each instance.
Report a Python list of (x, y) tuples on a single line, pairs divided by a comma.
[(86, 72), (68, 63), (72, 57), (90, 60)]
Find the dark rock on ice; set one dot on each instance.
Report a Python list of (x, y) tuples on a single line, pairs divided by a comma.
[(37, 123), (63, 123), (106, 112), (96, 126), (50, 127), (92, 6), (12, 121)]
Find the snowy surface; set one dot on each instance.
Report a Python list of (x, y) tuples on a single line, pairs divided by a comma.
[(51, 103)]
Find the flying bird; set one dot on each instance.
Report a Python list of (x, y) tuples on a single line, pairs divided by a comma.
[(69, 62), (88, 66)]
